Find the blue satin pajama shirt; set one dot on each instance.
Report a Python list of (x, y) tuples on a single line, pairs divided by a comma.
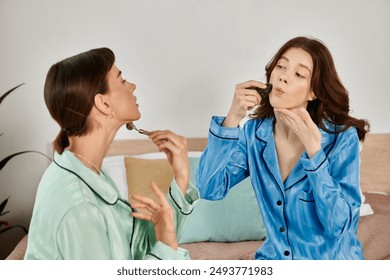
[(314, 213)]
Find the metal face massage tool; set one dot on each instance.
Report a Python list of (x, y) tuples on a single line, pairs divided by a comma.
[(131, 126)]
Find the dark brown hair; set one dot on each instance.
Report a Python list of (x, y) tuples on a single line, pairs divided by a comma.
[(70, 88), (332, 102)]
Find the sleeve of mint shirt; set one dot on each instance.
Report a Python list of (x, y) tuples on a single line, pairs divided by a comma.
[(182, 205), (144, 240), (335, 183), (145, 246)]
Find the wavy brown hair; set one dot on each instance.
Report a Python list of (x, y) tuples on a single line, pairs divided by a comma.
[(332, 102), (70, 88)]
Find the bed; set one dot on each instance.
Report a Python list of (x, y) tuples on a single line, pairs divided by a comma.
[(215, 230)]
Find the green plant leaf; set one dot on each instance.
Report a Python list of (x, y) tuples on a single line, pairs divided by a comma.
[(8, 92), (4, 161), (3, 213), (2, 206)]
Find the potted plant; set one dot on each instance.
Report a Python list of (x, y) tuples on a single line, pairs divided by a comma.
[(6, 226)]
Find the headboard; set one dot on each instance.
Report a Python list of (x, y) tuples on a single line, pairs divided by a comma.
[(375, 163), (143, 146), (375, 157)]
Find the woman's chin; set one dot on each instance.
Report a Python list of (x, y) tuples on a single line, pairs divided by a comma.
[(137, 116)]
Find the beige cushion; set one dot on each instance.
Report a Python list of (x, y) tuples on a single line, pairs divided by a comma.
[(140, 172), (375, 163)]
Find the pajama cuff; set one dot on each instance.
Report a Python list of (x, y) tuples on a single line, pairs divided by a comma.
[(184, 203), (161, 251), (219, 131), (312, 164)]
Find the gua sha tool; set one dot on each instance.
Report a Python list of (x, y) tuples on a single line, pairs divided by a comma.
[(264, 92)]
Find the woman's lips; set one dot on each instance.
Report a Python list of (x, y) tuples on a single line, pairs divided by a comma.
[(278, 91)]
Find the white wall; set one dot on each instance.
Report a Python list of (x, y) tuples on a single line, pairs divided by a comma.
[(185, 57)]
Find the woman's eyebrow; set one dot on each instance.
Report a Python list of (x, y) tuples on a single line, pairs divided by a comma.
[(304, 66), (300, 64), (119, 73)]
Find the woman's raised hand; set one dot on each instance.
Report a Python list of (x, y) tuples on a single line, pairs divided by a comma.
[(244, 99), (159, 213), (175, 147), (303, 126)]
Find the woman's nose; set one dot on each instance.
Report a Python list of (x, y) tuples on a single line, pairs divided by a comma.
[(285, 76), (132, 86), (283, 79)]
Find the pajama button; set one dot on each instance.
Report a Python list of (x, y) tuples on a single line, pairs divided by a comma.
[(278, 203), (282, 229), (286, 253)]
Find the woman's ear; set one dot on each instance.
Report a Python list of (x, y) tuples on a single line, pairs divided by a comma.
[(312, 96), (102, 103)]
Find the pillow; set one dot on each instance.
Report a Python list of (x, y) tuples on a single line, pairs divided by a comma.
[(140, 172), (142, 169), (115, 167), (235, 218)]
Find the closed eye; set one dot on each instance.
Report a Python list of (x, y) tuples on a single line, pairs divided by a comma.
[(299, 75), (124, 81)]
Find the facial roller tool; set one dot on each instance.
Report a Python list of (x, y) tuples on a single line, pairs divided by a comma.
[(131, 126), (264, 92)]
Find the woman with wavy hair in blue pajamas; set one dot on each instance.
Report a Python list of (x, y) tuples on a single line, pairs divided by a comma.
[(300, 148)]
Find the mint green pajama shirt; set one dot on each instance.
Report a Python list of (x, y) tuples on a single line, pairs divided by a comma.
[(81, 215)]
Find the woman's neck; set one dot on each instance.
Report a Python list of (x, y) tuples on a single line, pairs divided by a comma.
[(90, 149), (283, 131)]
